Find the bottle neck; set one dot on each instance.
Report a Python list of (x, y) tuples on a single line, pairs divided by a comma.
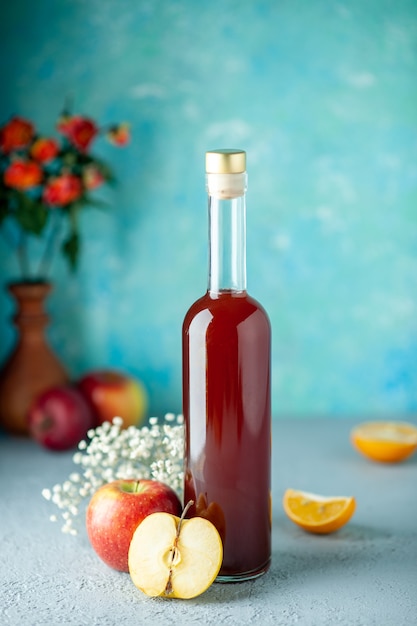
[(227, 250)]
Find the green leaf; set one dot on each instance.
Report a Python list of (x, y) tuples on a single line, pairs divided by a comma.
[(95, 202), (106, 171), (71, 249), (3, 211), (31, 215), (6, 202)]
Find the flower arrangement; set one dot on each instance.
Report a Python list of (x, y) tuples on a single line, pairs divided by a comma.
[(154, 451), (45, 181)]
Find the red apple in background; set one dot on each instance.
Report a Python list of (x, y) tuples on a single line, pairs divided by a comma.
[(59, 418), (111, 393), (115, 511)]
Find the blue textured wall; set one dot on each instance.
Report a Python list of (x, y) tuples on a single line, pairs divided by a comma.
[(323, 96)]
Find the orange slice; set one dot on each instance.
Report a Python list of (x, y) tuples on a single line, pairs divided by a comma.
[(318, 514), (389, 442)]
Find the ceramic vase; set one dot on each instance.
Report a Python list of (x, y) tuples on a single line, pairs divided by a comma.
[(32, 365)]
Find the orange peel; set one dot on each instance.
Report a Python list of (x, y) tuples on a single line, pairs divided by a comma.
[(387, 442)]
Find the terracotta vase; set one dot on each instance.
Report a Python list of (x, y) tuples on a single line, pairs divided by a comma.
[(32, 366)]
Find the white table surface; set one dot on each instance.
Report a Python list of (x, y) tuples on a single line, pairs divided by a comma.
[(363, 575)]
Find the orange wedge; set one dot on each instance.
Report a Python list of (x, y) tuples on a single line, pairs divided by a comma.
[(389, 442), (318, 514)]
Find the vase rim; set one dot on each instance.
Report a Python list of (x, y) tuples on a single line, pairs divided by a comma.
[(29, 281), (41, 286)]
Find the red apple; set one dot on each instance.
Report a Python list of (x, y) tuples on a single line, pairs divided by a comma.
[(111, 393), (59, 418), (115, 511)]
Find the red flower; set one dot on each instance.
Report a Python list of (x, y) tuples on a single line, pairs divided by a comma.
[(44, 150), (119, 135), (16, 134), (63, 123), (62, 190), (92, 177), (80, 131), (23, 175)]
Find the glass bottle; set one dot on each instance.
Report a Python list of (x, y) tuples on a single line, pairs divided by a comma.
[(226, 341)]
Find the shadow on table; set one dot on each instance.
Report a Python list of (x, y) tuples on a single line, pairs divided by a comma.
[(300, 556)]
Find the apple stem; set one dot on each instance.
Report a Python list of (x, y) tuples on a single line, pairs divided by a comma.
[(184, 513)]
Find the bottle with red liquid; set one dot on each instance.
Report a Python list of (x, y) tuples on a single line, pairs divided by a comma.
[(226, 386)]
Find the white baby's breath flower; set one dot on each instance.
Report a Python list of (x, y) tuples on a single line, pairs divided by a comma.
[(154, 451)]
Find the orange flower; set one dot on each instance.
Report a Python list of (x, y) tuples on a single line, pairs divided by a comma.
[(62, 190), (44, 150), (17, 133), (92, 177), (80, 131), (23, 175), (119, 135)]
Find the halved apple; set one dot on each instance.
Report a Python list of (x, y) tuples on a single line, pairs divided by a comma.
[(174, 557)]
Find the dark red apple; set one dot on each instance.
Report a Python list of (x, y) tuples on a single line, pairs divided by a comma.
[(60, 417), (116, 510)]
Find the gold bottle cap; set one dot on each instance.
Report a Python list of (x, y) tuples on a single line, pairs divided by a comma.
[(226, 161)]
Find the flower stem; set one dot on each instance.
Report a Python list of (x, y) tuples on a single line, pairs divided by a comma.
[(46, 259), (22, 256)]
